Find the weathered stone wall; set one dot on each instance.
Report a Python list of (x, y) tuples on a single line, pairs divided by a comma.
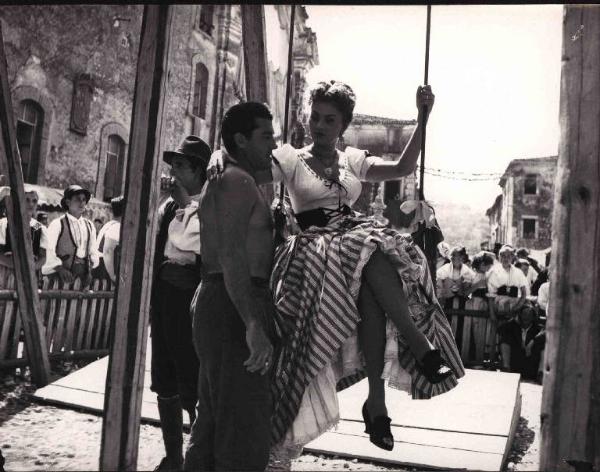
[(47, 47), (540, 205)]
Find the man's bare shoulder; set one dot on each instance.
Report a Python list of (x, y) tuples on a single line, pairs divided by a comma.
[(236, 179)]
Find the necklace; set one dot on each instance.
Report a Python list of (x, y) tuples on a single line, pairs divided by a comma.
[(327, 168)]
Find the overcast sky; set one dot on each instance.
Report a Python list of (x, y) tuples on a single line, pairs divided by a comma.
[(495, 70)]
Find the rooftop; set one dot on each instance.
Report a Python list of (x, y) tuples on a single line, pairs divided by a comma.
[(525, 162), (360, 119)]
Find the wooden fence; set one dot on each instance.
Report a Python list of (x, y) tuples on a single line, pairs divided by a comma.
[(76, 322)]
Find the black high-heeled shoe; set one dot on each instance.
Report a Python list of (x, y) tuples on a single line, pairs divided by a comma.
[(378, 430), (434, 367)]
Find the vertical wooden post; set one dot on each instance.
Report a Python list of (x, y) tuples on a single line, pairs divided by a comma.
[(571, 397), (255, 52), (125, 380), (20, 235)]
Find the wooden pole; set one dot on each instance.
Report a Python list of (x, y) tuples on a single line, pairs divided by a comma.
[(20, 235), (570, 432), (255, 52), (125, 380)]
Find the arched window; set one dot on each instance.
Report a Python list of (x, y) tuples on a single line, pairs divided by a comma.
[(205, 22), (115, 160), (200, 91), (30, 123)]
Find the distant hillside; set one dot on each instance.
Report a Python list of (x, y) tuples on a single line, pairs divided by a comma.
[(462, 224)]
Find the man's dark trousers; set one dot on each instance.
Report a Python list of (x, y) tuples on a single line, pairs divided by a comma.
[(232, 428)]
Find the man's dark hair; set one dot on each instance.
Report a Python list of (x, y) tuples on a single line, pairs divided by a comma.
[(241, 118), (117, 205)]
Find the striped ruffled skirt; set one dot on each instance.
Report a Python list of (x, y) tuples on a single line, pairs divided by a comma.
[(315, 283)]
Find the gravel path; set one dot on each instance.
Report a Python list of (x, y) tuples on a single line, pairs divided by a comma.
[(43, 437)]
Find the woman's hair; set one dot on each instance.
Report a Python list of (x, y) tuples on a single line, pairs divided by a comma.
[(338, 94), (459, 251), (482, 258)]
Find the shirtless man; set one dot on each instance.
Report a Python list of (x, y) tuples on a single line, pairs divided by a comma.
[(232, 308)]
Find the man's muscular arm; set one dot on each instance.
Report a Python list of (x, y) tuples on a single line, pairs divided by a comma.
[(234, 201)]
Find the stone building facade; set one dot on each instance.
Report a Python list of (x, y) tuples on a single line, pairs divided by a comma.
[(384, 137), (72, 72), (522, 215)]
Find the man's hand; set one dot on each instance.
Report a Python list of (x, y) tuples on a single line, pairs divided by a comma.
[(261, 349), (65, 275)]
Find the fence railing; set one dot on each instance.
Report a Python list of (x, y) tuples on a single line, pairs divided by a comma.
[(76, 321)]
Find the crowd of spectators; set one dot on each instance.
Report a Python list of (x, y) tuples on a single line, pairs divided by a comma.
[(70, 246), (512, 288)]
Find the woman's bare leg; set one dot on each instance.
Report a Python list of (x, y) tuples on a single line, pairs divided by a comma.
[(372, 337), (386, 287)]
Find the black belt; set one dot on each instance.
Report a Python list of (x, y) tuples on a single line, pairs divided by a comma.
[(320, 216)]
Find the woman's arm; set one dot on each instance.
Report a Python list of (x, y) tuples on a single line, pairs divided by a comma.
[(219, 160), (407, 163)]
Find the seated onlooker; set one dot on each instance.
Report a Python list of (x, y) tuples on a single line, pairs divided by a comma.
[(108, 242), (39, 239), (522, 342), (454, 280), (71, 251), (507, 285)]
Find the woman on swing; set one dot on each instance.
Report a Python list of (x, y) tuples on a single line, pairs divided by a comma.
[(351, 295)]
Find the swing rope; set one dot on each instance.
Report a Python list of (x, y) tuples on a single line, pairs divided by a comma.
[(288, 87), (424, 111)]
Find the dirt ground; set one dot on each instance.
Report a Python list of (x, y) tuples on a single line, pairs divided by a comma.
[(44, 437)]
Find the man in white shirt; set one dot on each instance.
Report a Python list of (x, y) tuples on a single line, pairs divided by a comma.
[(108, 242), (72, 251), (174, 368)]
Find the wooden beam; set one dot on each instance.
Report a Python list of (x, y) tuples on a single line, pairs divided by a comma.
[(255, 53), (570, 430), (125, 379), (20, 235)]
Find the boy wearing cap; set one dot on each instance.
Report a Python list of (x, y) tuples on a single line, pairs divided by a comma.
[(174, 368), (72, 251)]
